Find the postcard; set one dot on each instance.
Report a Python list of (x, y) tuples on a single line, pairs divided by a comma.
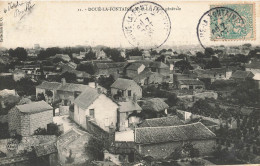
[(129, 82)]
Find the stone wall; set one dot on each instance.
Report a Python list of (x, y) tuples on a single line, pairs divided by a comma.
[(40, 120), (14, 124)]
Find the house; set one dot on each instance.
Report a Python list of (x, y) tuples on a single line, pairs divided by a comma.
[(190, 84), (128, 115), (71, 145), (146, 54), (160, 142), (178, 76), (256, 80), (253, 66), (134, 69), (136, 58), (148, 77), (67, 92), (126, 88), (109, 68), (32, 71), (100, 54), (50, 88), (18, 74), (160, 68), (163, 121), (25, 119), (154, 106), (95, 106), (214, 74), (240, 75)]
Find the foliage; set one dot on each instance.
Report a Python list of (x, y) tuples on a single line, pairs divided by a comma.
[(49, 93), (25, 86), (153, 52), (95, 148), (40, 96), (106, 82), (90, 55), (161, 58), (49, 52), (69, 77), (209, 52), (4, 133), (19, 52), (114, 54), (172, 100), (52, 129), (57, 60), (87, 67), (214, 63), (183, 65), (40, 131), (133, 52)]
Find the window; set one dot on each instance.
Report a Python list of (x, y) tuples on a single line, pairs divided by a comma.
[(129, 92), (92, 113), (106, 122)]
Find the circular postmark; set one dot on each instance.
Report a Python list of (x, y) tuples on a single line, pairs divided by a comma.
[(146, 25), (220, 24)]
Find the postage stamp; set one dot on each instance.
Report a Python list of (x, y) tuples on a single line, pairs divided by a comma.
[(146, 25), (232, 22)]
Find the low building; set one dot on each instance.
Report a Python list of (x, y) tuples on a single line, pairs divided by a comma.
[(190, 84), (125, 88), (134, 69), (148, 77), (214, 74), (160, 142), (25, 119), (240, 75), (154, 106), (64, 57), (128, 115), (160, 68), (95, 106), (18, 74)]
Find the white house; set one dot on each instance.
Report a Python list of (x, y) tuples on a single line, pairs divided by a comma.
[(97, 107)]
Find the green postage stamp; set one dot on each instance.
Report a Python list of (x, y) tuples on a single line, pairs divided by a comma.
[(232, 22)]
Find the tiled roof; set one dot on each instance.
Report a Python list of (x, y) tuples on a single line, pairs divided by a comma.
[(123, 84), (134, 66), (49, 85), (73, 87), (34, 107), (86, 98), (190, 82), (164, 121), (158, 65), (151, 135), (241, 74), (72, 135), (155, 104), (129, 106)]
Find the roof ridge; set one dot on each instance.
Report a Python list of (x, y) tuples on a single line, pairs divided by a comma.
[(170, 126)]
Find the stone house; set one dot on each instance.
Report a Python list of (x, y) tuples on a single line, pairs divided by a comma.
[(160, 68), (127, 89), (154, 107), (128, 115), (100, 54), (160, 142), (96, 107), (48, 86), (214, 74), (109, 68), (25, 119), (190, 84), (134, 69)]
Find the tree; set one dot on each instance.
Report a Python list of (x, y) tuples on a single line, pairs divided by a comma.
[(153, 52), (200, 55), (162, 51), (114, 54), (183, 65), (133, 52), (49, 93), (160, 58), (11, 52), (106, 82), (95, 148), (49, 52), (20, 53), (69, 77), (40, 96), (87, 67), (209, 52), (214, 63), (25, 86), (90, 55), (172, 100)]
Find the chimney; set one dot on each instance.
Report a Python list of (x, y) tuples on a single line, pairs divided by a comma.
[(63, 81), (99, 90)]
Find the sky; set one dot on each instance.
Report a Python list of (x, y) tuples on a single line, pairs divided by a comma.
[(62, 24)]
